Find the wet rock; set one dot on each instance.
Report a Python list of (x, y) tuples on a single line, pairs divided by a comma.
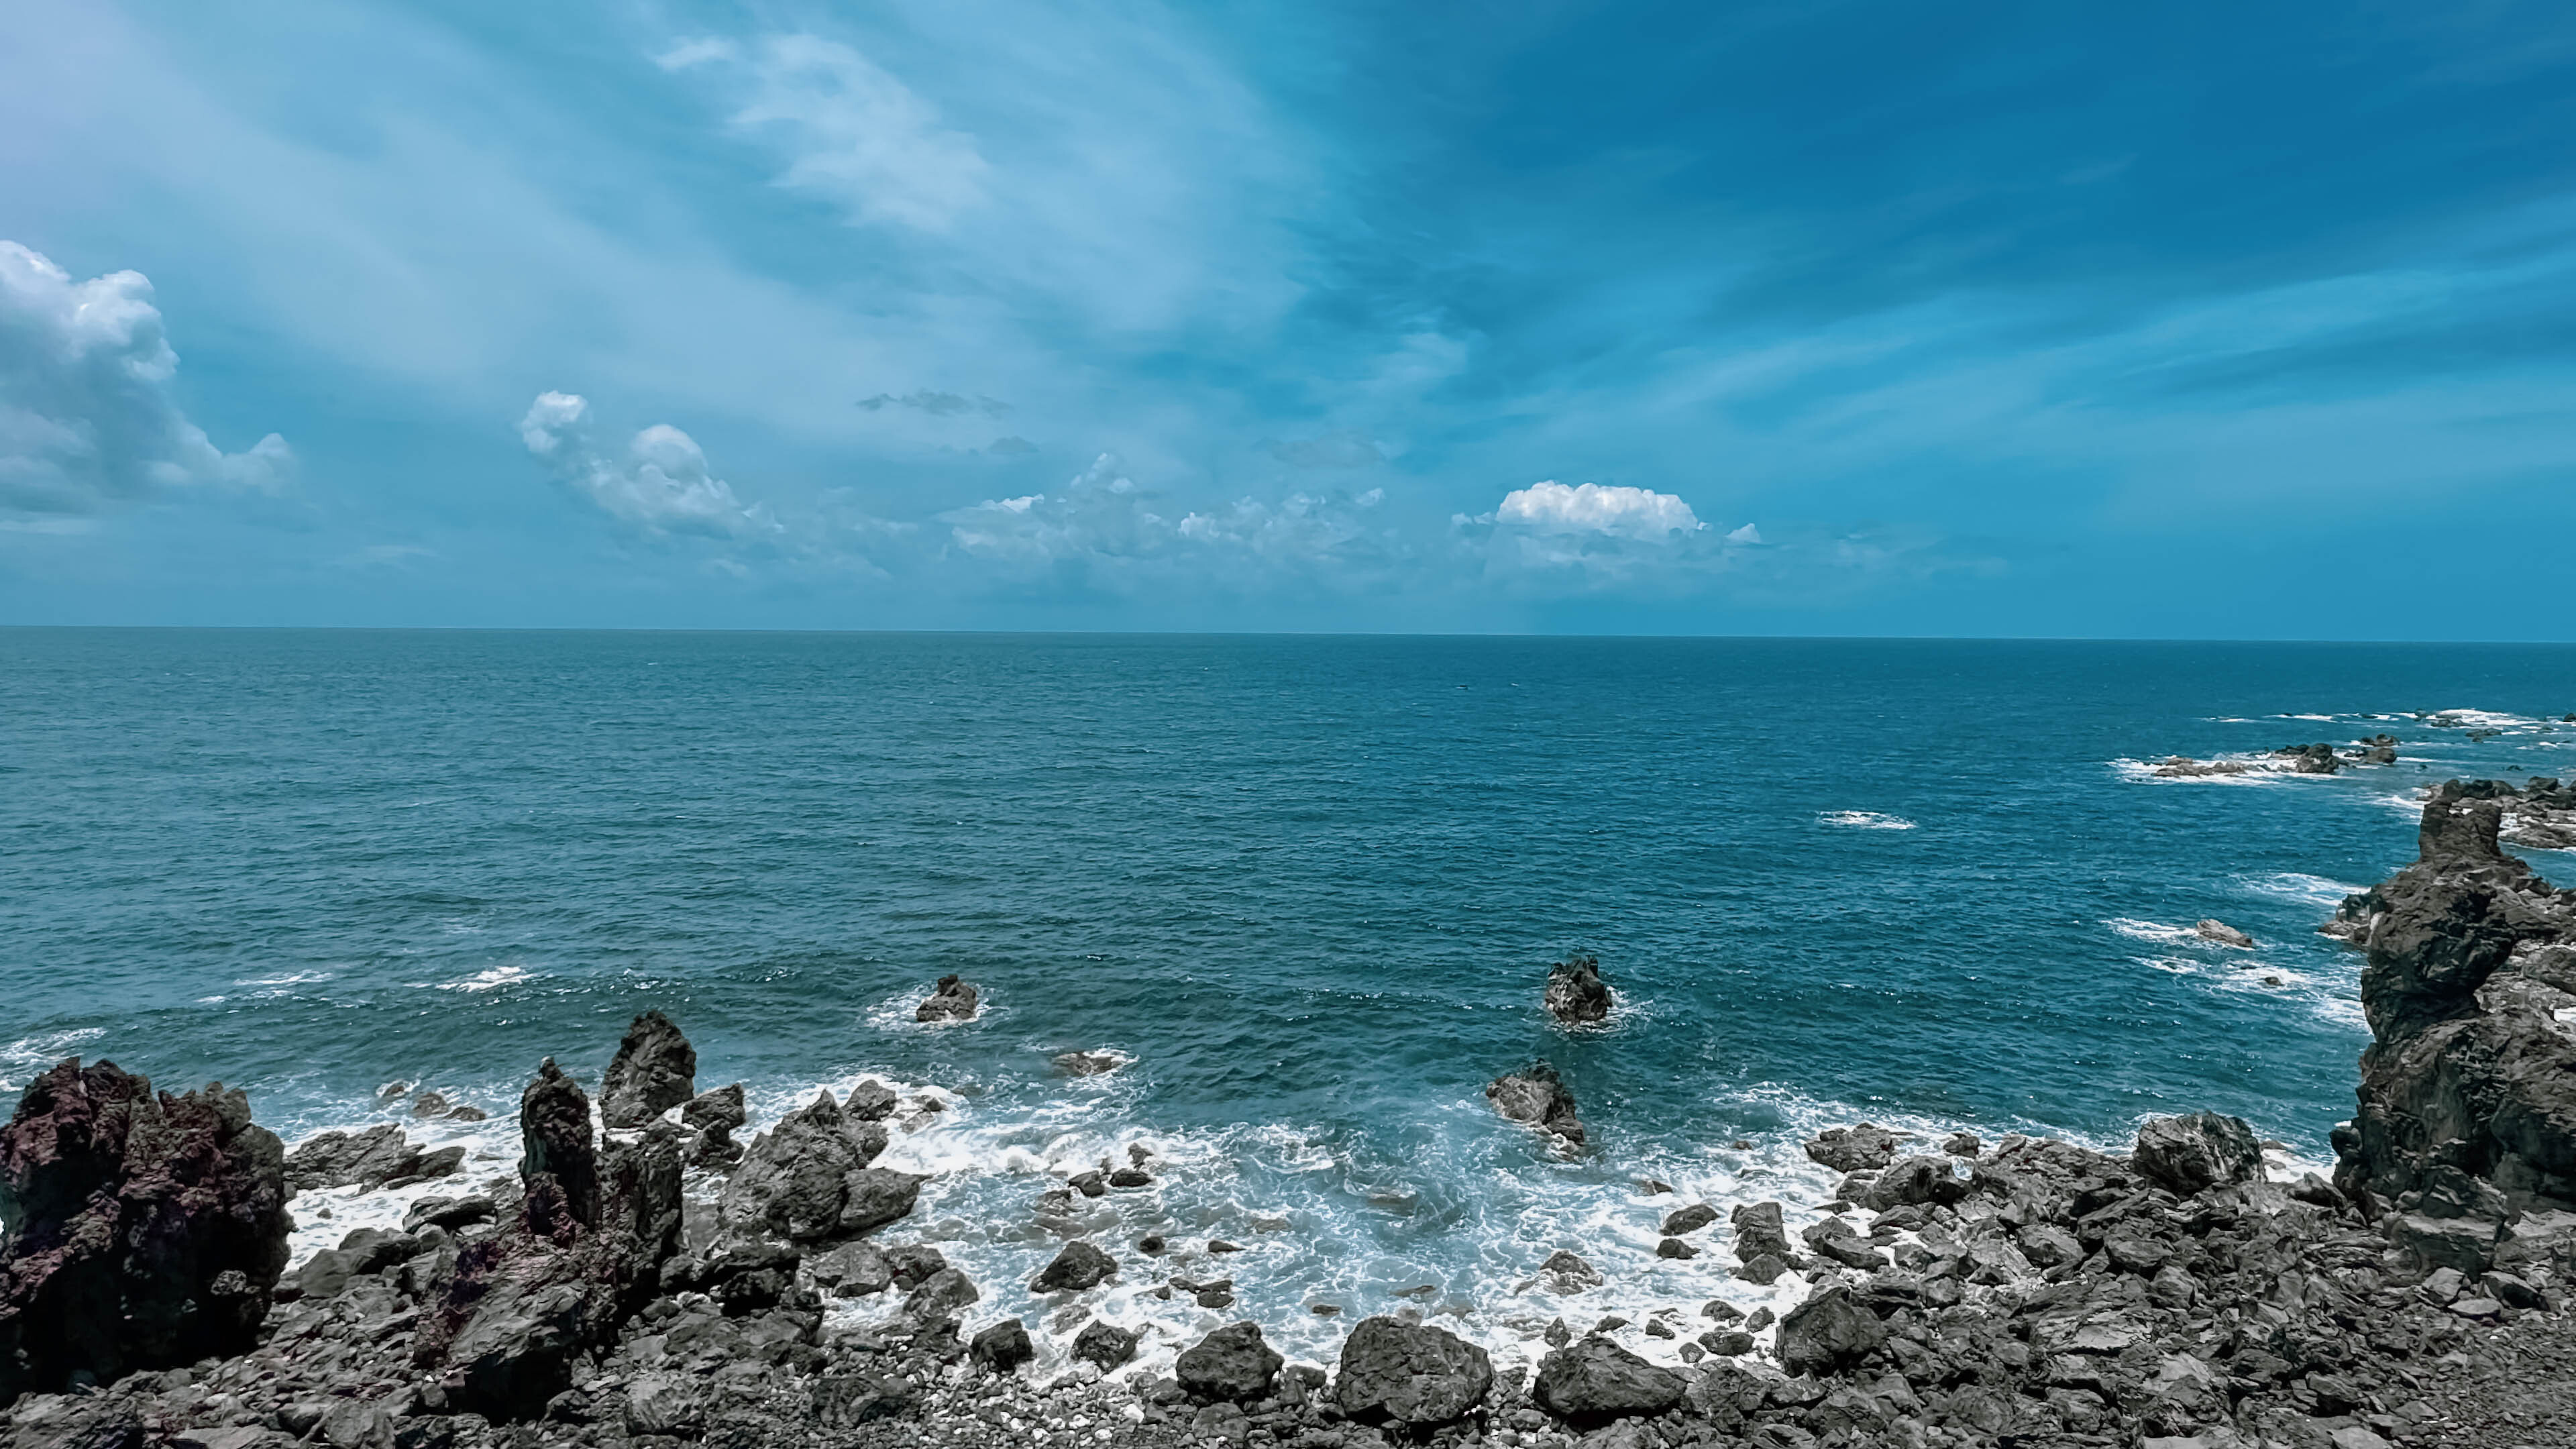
[(1393, 1372), (1568, 1273), (1962, 1144), (1576, 995), (2190, 1154), (940, 1295), (914, 1264), (714, 1115), (875, 1196), (655, 1069), (2223, 934), (1088, 1064), (1104, 1344), (951, 1000), (1594, 1381), (852, 1270), (2310, 759), (1863, 1148), (144, 1229), (1231, 1364), (1688, 1220), (1675, 1248), (1537, 1097), (1130, 1177), (1077, 1266), (1759, 1229), (378, 1157), (450, 1213), (1003, 1347), (796, 1180)]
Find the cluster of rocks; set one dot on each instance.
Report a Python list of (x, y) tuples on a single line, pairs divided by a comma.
[(2033, 1293), (2312, 759), (1576, 994)]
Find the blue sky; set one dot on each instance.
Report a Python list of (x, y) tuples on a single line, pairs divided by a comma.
[(1863, 318)]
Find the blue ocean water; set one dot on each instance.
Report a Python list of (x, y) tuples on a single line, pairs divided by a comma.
[(1311, 886)]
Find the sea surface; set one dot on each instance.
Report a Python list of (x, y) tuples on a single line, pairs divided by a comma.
[(1307, 889)]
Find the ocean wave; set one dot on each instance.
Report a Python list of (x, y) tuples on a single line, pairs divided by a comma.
[(2474, 719), (2157, 932), (2329, 997), (489, 980), (895, 1013), (2307, 890), (1864, 820), (22, 1059), (292, 978)]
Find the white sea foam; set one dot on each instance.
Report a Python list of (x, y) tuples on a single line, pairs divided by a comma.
[(22, 1059), (2157, 932), (2328, 996), (1864, 820), (895, 1013), (2308, 890), (2258, 771), (2474, 719), (292, 978), (489, 980)]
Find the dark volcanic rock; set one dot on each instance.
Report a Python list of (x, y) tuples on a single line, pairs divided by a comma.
[(1539, 1098), (2193, 1153), (1593, 1381), (1576, 995), (1864, 1148), (143, 1230), (555, 1141), (713, 1115), (377, 1157), (951, 1000), (1689, 1220), (2469, 958), (2310, 759), (1830, 1330), (1395, 1372), (1232, 1364), (797, 1179), (1003, 1347), (1104, 1344), (654, 1071), (1078, 1266)]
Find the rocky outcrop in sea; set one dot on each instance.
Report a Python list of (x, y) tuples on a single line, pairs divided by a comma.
[(2028, 1292)]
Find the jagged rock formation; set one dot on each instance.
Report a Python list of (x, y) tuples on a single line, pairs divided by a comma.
[(808, 1180), (713, 1115), (655, 1070), (142, 1230), (950, 1000), (1539, 1098), (1576, 994), (377, 1157)]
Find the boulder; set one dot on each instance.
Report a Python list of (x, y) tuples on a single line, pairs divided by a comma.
[(655, 1070), (1539, 1098), (1003, 1347), (1576, 995), (870, 1101), (142, 1230), (1863, 1148), (940, 1295), (795, 1181), (1077, 1267), (1689, 1220), (1104, 1344), (1231, 1364), (853, 1270), (1919, 1181), (872, 1197), (1830, 1331), (1393, 1372), (2191, 1154), (2224, 934), (950, 1000), (1568, 1273), (1759, 1229), (1593, 1381), (378, 1157)]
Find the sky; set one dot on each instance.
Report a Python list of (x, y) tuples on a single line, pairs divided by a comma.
[(2181, 321)]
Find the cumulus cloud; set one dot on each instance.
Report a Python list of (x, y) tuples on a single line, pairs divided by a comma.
[(87, 413), (662, 485), (1622, 512)]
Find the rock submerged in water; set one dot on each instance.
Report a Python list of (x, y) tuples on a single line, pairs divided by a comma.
[(1077, 1267), (1537, 1097), (1088, 1064), (1576, 994), (1409, 1376), (950, 1000), (655, 1070), (145, 1230), (2223, 934)]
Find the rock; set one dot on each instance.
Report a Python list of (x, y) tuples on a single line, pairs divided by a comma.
[(1864, 1148), (1916, 1181), (872, 1197), (377, 1157), (1089, 1184), (1831, 1330), (796, 1179), (662, 1404), (1003, 1347), (1130, 1177), (1962, 1144), (450, 1213), (1537, 1097), (1688, 1220), (1088, 1064), (950, 1000), (1104, 1344), (914, 1264), (1415, 1377), (1763, 1268), (143, 1229), (715, 1112), (2467, 1244), (940, 1295), (1576, 994), (1078, 1266), (1594, 1381), (852, 1270), (1759, 1229), (1231, 1364), (1567, 1273), (2310, 759), (2467, 957), (555, 1141), (2224, 934), (2191, 1154), (655, 1069), (1675, 1248), (871, 1101)]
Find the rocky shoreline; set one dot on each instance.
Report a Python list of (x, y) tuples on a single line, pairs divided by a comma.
[(2027, 1292)]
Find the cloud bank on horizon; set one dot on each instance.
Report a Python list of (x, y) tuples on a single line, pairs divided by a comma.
[(991, 315)]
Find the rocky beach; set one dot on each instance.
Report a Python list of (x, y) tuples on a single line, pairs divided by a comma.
[(641, 1276)]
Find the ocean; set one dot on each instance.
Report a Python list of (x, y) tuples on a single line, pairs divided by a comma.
[(1306, 889)]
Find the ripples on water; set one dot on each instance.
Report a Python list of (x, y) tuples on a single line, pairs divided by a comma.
[(1310, 885)]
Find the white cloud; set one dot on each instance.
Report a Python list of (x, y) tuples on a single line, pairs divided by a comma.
[(87, 413), (1621, 512), (1747, 534), (662, 486), (860, 137)]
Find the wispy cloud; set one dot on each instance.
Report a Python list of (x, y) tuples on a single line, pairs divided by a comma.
[(662, 485)]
